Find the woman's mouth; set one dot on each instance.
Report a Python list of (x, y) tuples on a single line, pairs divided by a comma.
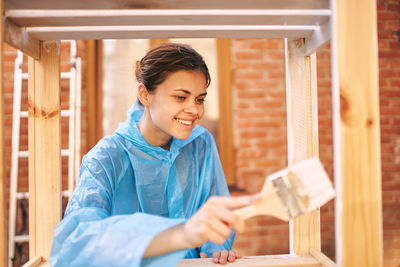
[(184, 122)]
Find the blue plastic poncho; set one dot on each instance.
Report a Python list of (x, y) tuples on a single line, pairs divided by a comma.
[(129, 191)]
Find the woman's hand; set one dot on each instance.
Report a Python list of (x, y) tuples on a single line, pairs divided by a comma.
[(215, 219), (223, 257), (212, 222)]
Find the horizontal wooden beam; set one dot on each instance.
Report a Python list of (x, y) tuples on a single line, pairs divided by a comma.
[(259, 261), (322, 258), (20, 39), (96, 17), (170, 31), (37, 261), (170, 4)]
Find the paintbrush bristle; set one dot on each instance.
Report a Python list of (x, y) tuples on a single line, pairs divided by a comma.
[(303, 187)]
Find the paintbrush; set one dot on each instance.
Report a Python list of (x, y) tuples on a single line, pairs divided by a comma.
[(292, 191)]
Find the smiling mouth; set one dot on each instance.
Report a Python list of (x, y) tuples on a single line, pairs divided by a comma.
[(184, 122)]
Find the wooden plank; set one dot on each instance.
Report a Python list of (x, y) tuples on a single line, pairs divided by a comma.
[(302, 134), (225, 123), (170, 31), (20, 39), (94, 92), (44, 148), (3, 217), (96, 17), (322, 258), (259, 261), (37, 261), (358, 217), (34, 262), (171, 4)]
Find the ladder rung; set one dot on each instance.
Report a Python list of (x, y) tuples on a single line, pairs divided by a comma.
[(64, 113), (25, 153), (22, 195), (64, 75), (25, 195), (21, 238)]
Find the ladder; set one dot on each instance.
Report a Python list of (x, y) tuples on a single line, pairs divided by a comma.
[(73, 151)]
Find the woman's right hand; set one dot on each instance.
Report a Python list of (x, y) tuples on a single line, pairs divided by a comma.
[(215, 219)]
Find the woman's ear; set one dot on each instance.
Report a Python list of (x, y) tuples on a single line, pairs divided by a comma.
[(143, 95)]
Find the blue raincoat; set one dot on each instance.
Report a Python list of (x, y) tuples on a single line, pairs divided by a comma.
[(129, 191)]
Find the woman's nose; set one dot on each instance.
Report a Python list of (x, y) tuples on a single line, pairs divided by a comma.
[(192, 108)]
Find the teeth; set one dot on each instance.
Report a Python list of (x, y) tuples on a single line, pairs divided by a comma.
[(184, 122)]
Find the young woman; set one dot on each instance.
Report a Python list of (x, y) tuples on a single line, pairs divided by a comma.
[(154, 192)]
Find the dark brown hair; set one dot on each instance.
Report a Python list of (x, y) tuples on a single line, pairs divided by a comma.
[(167, 58)]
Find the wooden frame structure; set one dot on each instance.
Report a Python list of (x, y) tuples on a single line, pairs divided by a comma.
[(35, 28)]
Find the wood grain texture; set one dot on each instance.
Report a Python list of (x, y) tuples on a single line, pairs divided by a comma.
[(96, 17), (322, 258), (3, 233), (44, 148), (225, 123), (359, 223), (94, 92), (259, 261), (156, 4), (302, 119), (18, 38)]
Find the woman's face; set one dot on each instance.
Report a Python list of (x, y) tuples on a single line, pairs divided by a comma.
[(177, 104)]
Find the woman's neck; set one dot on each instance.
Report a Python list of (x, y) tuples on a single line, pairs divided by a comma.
[(151, 133)]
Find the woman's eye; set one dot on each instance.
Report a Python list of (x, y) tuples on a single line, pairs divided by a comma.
[(201, 100), (180, 98)]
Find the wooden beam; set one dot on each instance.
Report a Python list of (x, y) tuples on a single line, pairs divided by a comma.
[(37, 261), (3, 220), (302, 134), (114, 17), (20, 39), (322, 258), (355, 94), (94, 82), (171, 4), (258, 261), (44, 148), (170, 31), (225, 123)]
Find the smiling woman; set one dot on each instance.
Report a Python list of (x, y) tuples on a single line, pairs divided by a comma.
[(154, 192)]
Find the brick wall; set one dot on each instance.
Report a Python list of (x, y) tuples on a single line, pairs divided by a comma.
[(260, 136), (259, 105)]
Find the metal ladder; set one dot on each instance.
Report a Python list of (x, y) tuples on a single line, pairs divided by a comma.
[(73, 151)]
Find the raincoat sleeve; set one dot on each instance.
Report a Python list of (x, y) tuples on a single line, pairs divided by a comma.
[(212, 169), (89, 236)]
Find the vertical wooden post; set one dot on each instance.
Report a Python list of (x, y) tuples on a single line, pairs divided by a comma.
[(225, 124), (94, 83), (44, 148), (155, 42), (357, 141), (302, 131), (3, 235)]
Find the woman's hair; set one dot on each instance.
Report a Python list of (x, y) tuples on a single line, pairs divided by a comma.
[(167, 58)]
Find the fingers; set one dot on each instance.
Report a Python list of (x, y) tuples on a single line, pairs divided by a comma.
[(238, 255), (231, 256), (235, 202), (203, 255), (225, 256), (216, 256)]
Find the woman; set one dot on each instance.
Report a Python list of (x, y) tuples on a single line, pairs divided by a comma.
[(154, 192)]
